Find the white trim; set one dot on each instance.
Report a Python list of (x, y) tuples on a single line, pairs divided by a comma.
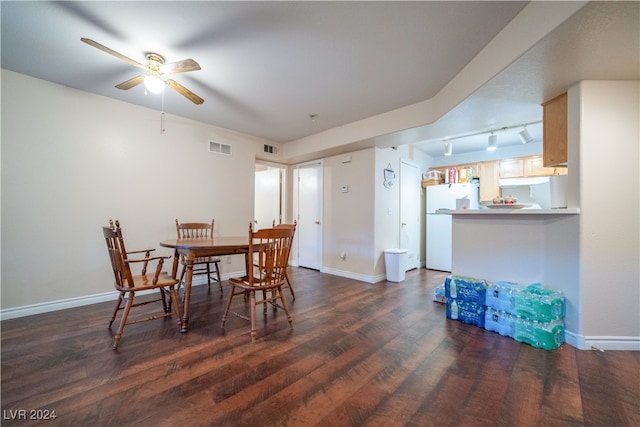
[(46, 307), (354, 276), (602, 343), (296, 207)]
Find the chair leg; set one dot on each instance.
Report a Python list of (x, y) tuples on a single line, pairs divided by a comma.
[(184, 270), (174, 300), (286, 277), (209, 275), (226, 311), (165, 305), (115, 312), (123, 321), (252, 297), (217, 265), (285, 306)]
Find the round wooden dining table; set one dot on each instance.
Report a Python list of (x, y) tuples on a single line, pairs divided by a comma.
[(195, 248)]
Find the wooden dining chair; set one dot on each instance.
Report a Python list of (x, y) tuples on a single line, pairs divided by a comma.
[(202, 265), (128, 284), (286, 275), (271, 247)]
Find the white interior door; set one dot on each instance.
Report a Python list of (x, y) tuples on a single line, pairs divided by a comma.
[(410, 213), (309, 229), (267, 198)]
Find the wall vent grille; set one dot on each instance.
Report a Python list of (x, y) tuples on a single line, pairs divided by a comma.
[(270, 149), (218, 147)]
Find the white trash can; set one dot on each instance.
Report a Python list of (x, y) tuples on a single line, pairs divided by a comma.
[(395, 261)]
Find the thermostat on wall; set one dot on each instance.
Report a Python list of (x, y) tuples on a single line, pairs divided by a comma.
[(344, 188)]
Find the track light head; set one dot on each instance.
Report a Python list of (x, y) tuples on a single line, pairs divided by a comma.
[(493, 142), (525, 136), (447, 148)]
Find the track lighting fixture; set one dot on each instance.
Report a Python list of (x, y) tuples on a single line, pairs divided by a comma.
[(525, 136), (493, 142), (447, 148)]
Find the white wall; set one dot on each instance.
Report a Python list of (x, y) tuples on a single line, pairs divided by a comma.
[(609, 134), (71, 160), (386, 209), (348, 217), (365, 221)]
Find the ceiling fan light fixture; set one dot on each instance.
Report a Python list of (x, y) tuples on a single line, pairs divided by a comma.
[(153, 84), (493, 142)]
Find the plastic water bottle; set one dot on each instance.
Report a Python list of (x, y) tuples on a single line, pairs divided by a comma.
[(453, 291), (454, 309)]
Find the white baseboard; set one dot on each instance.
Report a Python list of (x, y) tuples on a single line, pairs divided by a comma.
[(349, 275), (46, 307), (602, 343)]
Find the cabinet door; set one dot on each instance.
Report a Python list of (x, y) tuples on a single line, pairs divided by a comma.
[(489, 181), (534, 167), (554, 131), (512, 168)]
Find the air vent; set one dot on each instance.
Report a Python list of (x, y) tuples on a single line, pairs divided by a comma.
[(217, 147), (270, 149)]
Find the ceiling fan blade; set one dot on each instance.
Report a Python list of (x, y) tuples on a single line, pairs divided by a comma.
[(180, 66), (113, 52), (130, 83), (185, 92)]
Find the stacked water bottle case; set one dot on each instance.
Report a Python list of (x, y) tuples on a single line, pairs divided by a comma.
[(530, 314)]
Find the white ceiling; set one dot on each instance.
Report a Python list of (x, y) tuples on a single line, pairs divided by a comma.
[(267, 66)]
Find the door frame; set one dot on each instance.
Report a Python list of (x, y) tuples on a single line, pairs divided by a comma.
[(283, 187), (416, 237), (296, 207)]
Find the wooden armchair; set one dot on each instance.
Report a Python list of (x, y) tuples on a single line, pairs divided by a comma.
[(128, 284), (271, 247), (286, 276), (201, 265)]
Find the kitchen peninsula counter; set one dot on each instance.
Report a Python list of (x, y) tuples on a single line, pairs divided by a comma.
[(520, 245), (505, 211)]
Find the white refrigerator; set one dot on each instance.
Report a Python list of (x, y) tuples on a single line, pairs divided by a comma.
[(438, 250)]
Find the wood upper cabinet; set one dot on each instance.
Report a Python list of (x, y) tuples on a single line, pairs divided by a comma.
[(489, 173), (512, 168), (554, 131), (534, 166)]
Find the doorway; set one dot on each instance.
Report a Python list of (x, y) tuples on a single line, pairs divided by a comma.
[(410, 213), (308, 180), (269, 196)]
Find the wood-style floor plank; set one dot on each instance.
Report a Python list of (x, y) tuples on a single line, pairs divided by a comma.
[(359, 354)]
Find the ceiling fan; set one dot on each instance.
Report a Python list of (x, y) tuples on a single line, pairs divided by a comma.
[(156, 72)]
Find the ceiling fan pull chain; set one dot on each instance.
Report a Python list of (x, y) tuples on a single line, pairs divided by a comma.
[(162, 128)]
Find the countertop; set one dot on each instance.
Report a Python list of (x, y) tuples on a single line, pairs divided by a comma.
[(505, 211)]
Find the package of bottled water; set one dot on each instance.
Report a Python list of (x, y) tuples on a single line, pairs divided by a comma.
[(466, 312), (465, 289), (439, 294), (533, 301), (540, 304), (548, 335), (500, 295), (500, 322)]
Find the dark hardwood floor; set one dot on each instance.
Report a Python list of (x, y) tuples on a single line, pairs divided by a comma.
[(359, 355)]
